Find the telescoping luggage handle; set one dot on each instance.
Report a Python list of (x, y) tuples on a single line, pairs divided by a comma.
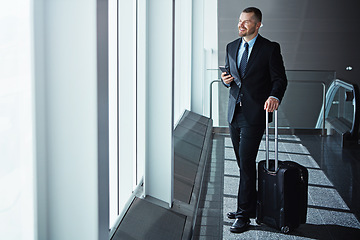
[(267, 142)]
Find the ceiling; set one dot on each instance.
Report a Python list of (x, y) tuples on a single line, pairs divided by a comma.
[(313, 35)]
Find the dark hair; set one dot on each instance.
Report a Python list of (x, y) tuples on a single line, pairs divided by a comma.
[(256, 11)]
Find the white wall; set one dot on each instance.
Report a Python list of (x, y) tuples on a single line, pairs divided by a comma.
[(159, 160), (183, 60), (141, 87), (211, 57), (204, 53), (113, 114), (16, 122), (127, 99), (71, 119)]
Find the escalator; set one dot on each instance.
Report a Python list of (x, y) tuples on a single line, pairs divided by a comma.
[(341, 112)]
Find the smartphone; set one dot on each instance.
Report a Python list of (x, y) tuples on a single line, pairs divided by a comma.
[(223, 69)]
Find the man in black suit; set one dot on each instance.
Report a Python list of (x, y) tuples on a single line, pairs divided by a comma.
[(257, 81)]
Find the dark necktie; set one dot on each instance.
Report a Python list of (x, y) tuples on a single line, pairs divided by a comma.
[(244, 59), (242, 68)]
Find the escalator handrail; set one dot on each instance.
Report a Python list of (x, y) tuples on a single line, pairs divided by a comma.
[(333, 88)]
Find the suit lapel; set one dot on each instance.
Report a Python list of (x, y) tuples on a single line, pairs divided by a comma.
[(234, 55), (237, 54), (256, 48), (235, 51)]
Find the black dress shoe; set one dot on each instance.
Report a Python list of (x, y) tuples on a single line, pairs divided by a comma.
[(240, 225), (231, 215)]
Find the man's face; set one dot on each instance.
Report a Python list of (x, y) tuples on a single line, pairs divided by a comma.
[(247, 25)]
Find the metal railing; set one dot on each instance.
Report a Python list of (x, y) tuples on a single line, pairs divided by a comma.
[(211, 85)]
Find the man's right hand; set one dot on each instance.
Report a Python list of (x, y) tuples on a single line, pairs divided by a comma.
[(227, 78)]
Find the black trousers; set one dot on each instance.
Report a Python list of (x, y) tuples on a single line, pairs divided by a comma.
[(246, 139)]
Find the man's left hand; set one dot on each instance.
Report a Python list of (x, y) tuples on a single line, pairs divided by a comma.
[(271, 104)]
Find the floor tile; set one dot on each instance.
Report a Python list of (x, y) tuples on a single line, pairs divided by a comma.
[(330, 179)]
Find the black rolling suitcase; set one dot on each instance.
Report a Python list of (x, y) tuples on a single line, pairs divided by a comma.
[(282, 190)]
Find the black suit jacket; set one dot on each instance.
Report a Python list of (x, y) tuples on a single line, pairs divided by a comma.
[(264, 76)]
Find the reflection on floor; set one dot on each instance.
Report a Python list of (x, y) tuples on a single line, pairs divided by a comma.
[(333, 204)]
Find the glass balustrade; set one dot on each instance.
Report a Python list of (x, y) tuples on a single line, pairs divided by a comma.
[(300, 106)]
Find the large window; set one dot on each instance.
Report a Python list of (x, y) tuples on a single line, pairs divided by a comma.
[(113, 114), (122, 106), (151, 67), (16, 123)]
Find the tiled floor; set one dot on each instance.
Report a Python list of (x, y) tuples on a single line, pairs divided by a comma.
[(333, 191)]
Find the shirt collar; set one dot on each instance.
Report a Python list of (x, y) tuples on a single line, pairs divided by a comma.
[(251, 42)]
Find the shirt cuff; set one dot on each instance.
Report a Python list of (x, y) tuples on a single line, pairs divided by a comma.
[(227, 85), (275, 98)]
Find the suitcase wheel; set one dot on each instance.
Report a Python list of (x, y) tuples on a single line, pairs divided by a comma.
[(285, 229)]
